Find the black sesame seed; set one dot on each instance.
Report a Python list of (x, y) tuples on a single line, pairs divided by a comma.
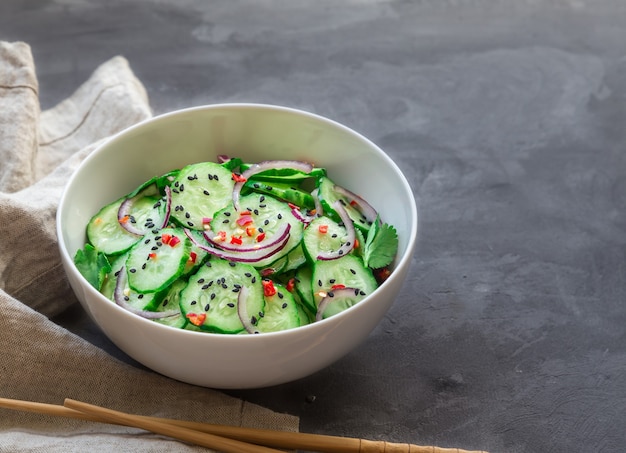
[(353, 271), (187, 215), (165, 302), (208, 264), (340, 252), (154, 248), (269, 188), (262, 205), (132, 271), (205, 286), (225, 221), (216, 177), (227, 213), (334, 235), (126, 298), (280, 295), (260, 229), (362, 293), (159, 243), (284, 305), (319, 283), (262, 198), (190, 224), (253, 280), (231, 305), (206, 192), (248, 274), (140, 296), (280, 216), (253, 320), (193, 302), (261, 314), (232, 264), (143, 266), (332, 280), (147, 241), (212, 296), (256, 185), (156, 205), (117, 273), (155, 231), (207, 307), (266, 222), (236, 290), (210, 177), (256, 212)]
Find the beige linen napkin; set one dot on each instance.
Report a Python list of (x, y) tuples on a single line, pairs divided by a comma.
[(39, 360)]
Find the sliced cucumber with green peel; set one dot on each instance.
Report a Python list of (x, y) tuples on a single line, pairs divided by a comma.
[(171, 300), (157, 260), (322, 235), (198, 191), (259, 219), (304, 287), (106, 234), (283, 191), (209, 301), (280, 312), (347, 271), (328, 195)]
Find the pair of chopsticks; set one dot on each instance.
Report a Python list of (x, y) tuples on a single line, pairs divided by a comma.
[(227, 439)]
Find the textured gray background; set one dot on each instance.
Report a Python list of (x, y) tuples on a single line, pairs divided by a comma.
[(508, 119)]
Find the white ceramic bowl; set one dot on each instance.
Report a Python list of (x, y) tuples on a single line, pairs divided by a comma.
[(254, 133)]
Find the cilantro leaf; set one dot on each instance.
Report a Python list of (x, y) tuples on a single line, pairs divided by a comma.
[(381, 246), (93, 265)]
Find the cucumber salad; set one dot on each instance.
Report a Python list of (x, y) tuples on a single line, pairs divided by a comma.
[(238, 248)]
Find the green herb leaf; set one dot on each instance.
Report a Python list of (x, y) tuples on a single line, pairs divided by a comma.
[(93, 265), (381, 246)]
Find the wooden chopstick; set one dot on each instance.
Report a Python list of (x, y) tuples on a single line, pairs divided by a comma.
[(259, 437)]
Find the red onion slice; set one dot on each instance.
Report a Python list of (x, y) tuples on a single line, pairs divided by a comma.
[(242, 311), (267, 243), (335, 295), (168, 206), (302, 166), (360, 203), (243, 257), (348, 245), (304, 218), (319, 210), (124, 216), (120, 299)]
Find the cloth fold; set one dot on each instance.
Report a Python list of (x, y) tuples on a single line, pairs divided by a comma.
[(39, 360)]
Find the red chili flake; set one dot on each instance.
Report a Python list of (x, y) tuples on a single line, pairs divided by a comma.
[(382, 274), (206, 220), (152, 255), (260, 237), (196, 319), (291, 285), (124, 219), (246, 212), (166, 238), (267, 271), (236, 240), (293, 206), (353, 203), (238, 178), (250, 231), (338, 286), (245, 220), (193, 256), (268, 288), (356, 243), (323, 229), (220, 236), (174, 241)]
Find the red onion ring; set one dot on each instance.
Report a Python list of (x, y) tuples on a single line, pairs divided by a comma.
[(118, 295), (319, 210), (123, 215), (334, 295), (168, 206), (362, 205), (242, 311), (243, 257), (267, 243), (348, 245), (304, 167)]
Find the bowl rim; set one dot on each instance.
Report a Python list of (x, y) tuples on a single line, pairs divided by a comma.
[(401, 262)]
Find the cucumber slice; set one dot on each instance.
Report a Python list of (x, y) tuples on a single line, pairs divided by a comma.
[(210, 298), (347, 271), (171, 301), (304, 287), (295, 258), (322, 235), (258, 215), (106, 234), (282, 191), (280, 313), (198, 192), (285, 175), (327, 196), (157, 260)]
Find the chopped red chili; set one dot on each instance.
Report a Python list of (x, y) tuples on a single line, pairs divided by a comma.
[(196, 319), (323, 229), (291, 284), (238, 178), (268, 288), (338, 286), (236, 240), (260, 237), (174, 241)]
